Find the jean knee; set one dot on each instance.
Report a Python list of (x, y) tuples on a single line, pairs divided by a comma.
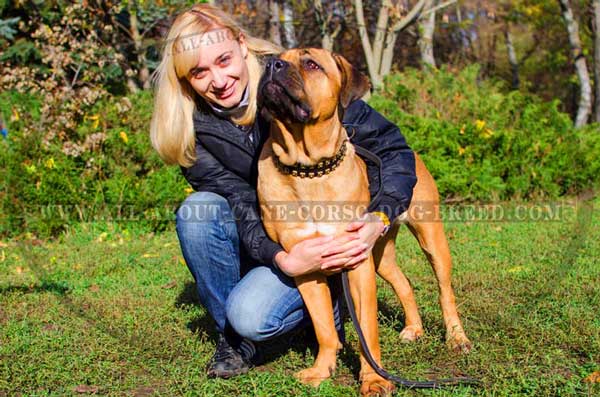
[(249, 322)]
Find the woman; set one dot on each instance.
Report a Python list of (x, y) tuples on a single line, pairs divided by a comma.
[(205, 119)]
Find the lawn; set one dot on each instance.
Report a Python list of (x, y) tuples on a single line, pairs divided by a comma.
[(107, 310)]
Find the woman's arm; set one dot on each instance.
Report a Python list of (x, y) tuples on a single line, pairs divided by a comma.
[(370, 130), (208, 174)]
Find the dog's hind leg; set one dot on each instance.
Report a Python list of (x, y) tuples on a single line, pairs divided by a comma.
[(432, 240), (384, 254)]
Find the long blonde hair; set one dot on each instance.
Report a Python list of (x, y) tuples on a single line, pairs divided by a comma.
[(172, 129)]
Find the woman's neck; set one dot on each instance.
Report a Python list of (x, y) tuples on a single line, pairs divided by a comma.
[(235, 111)]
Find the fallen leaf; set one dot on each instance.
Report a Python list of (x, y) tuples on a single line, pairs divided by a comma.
[(3, 245), (150, 256), (594, 377), (94, 288), (86, 389), (169, 285)]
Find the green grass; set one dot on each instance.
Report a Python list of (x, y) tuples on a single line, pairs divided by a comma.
[(114, 310)]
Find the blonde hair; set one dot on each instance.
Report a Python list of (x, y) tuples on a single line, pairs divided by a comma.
[(172, 129)]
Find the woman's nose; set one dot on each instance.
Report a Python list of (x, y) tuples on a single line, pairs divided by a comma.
[(218, 80)]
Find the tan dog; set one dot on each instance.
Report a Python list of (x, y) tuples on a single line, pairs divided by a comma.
[(304, 90)]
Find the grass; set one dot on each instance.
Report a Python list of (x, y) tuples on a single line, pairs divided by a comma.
[(105, 310)]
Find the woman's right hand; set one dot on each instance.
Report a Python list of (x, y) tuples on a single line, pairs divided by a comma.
[(308, 256)]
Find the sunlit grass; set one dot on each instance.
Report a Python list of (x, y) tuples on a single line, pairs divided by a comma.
[(110, 311)]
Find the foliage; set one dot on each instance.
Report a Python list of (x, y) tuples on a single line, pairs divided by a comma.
[(108, 170), (74, 67), (481, 143), (7, 31)]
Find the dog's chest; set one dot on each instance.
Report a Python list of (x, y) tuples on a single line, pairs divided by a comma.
[(294, 209)]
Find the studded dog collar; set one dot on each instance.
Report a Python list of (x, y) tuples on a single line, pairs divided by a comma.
[(323, 167)]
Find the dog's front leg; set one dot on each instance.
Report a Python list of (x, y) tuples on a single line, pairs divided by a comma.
[(317, 298), (364, 296)]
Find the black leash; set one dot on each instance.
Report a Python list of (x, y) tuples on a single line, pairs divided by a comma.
[(434, 384)]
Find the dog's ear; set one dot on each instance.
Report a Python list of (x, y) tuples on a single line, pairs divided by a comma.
[(354, 83)]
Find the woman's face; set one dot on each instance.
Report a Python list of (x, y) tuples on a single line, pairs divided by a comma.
[(221, 75)]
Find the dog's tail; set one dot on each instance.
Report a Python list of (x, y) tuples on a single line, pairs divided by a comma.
[(433, 384)]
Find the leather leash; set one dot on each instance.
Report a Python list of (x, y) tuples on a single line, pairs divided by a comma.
[(434, 384)]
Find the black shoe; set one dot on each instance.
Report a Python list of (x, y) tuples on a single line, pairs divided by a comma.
[(251, 352), (228, 362)]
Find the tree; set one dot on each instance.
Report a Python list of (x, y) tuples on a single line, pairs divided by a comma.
[(596, 5), (325, 19), (288, 24), (512, 57), (379, 53), (140, 50), (585, 94), (426, 29), (274, 31)]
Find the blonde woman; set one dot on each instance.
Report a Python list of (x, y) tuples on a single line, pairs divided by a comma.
[(205, 119)]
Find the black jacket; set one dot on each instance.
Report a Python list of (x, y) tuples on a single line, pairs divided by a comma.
[(227, 156)]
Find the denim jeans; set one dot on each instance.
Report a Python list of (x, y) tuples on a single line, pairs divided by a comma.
[(259, 302)]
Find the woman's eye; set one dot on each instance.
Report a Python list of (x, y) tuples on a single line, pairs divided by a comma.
[(225, 61), (312, 65), (198, 74)]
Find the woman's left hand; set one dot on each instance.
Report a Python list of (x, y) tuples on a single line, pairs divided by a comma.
[(368, 230)]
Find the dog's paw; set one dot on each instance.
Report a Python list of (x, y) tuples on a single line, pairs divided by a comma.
[(457, 341), (314, 376), (411, 333), (374, 385)]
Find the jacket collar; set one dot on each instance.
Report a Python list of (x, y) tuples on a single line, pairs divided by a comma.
[(206, 123)]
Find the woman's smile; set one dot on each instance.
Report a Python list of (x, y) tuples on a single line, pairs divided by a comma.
[(224, 94)]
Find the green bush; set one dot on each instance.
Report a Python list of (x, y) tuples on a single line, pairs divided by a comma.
[(482, 143), (479, 141), (115, 176)]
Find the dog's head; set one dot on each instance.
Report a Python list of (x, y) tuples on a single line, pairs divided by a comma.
[(308, 85)]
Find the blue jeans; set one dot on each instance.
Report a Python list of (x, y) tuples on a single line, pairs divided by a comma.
[(259, 303)]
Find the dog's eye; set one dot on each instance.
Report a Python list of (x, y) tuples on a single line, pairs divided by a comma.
[(312, 65)]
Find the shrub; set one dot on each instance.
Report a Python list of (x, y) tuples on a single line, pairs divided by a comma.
[(482, 143), (108, 172)]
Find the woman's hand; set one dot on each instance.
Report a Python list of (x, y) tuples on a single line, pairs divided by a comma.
[(304, 257), (331, 255), (346, 256)]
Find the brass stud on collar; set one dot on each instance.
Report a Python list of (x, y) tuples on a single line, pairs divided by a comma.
[(323, 167)]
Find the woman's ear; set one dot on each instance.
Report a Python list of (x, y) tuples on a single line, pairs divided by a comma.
[(243, 46)]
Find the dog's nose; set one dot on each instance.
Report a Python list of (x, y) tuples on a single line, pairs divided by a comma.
[(275, 65)]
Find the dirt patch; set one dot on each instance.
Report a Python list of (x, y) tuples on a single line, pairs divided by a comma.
[(144, 391)]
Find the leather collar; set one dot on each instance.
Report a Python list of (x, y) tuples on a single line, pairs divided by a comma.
[(323, 167)]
